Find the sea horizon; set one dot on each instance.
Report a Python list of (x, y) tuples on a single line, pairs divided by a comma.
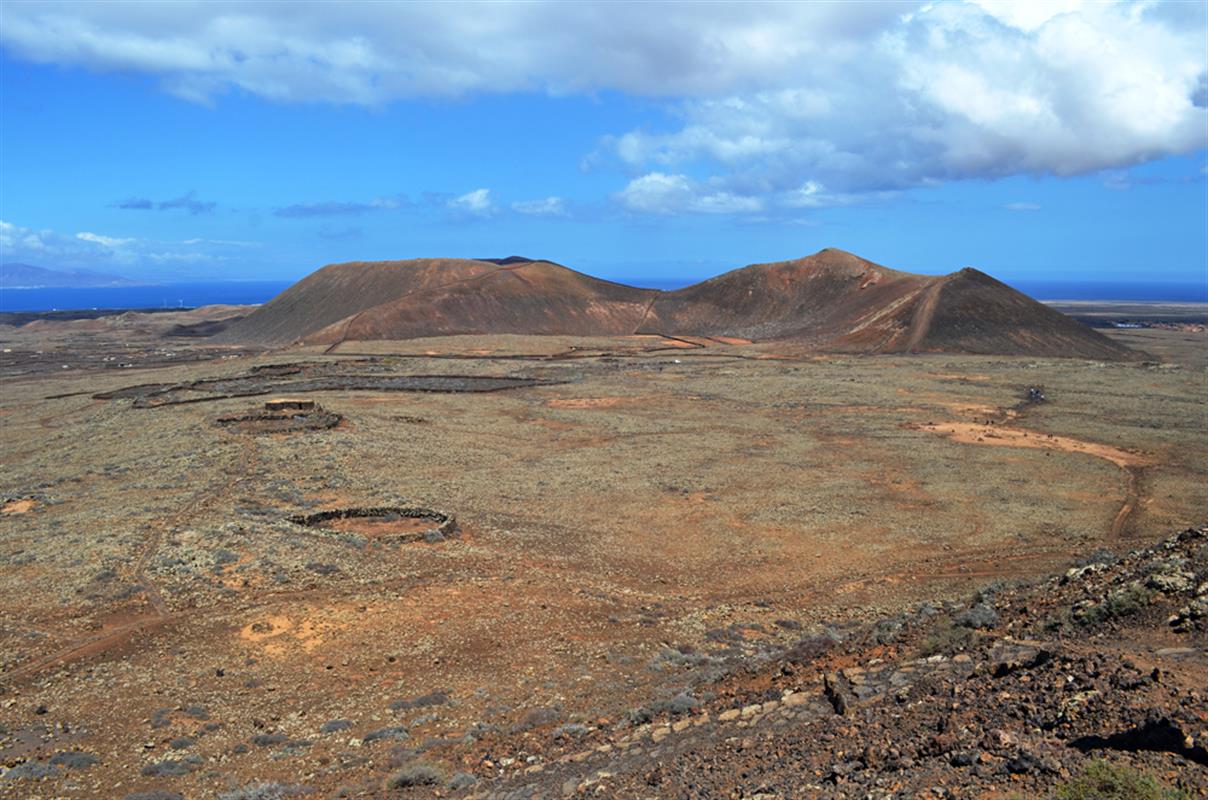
[(202, 293)]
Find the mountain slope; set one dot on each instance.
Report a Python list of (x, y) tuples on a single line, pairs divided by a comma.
[(339, 291), (831, 300), (971, 312), (533, 297), (27, 276), (807, 299)]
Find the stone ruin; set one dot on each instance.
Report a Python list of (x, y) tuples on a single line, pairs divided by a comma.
[(388, 523), (284, 415)]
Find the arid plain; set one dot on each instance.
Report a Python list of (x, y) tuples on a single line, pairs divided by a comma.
[(634, 518)]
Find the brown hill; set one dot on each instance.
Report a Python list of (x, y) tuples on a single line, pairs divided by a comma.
[(338, 291), (534, 297), (815, 299), (831, 300)]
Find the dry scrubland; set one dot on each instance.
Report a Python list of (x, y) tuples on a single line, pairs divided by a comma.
[(648, 518)]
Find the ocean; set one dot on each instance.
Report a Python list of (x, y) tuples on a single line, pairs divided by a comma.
[(1139, 291), (171, 295), (191, 295)]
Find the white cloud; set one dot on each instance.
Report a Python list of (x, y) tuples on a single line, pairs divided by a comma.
[(477, 203), (1027, 15), (858, 97), (548, 207), (128, 255), (950, 93), (659, 193), (1022, 206), (111, 242), (370, 53)]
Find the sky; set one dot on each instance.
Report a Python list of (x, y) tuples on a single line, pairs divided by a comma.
[(635, 141)]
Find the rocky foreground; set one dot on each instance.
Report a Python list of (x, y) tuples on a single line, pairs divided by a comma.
[(1090, 684), (1015, 694)]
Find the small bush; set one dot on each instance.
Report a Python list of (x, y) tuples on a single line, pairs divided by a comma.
[(266, 791), (537, 718), (572, 730), (269, 739), (74, 759), (33, 770), (393, 732), (423, 701), (462, 780), (979, 617), (1102, 780), (419, 773), (333, 725), (172, 767), (947, 639), (1123, 602), (677, 706), (679, 658), (196, 712)]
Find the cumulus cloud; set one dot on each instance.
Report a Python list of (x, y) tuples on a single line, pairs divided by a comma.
[(659, 193), (48, 248), (111, 242), (477, 203), (370, 53), (858, 97), (549, 207), (952, 93)]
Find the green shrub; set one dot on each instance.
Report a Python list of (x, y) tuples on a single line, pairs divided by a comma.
[(1102, 780), (947, 639), (418, 773), (1123, 602)]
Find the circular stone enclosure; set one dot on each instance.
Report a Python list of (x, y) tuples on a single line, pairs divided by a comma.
[(388, 523), (315, 418)]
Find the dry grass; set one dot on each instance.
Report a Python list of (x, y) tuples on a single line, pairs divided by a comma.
[(724, 489)]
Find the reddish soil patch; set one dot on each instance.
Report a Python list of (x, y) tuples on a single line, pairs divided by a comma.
[(973, 433), (399, 524), (23, 506), (586, 402), (381, 527)]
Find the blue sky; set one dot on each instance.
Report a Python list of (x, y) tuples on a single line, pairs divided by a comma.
[(221, 140)]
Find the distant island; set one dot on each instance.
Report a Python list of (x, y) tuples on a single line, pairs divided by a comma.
[(27, 276)]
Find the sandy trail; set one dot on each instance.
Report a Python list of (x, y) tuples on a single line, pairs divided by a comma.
[(1008, 436), (1130, 462)]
